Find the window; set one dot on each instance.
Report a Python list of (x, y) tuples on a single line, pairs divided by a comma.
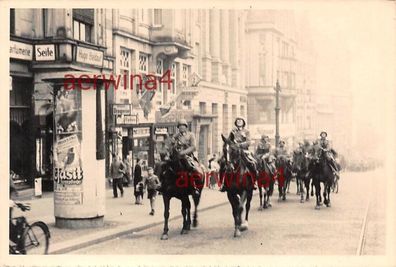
[(143, 63), (261, 69), (159, 70), (242, 110), (144, 16), (157, 17), (83, 21), (202, 107), (214, 109), (225, 118), (125, 65), (12, 20), (185, 75), (234, 111), (178, 19)]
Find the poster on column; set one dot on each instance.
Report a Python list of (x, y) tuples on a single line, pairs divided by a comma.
[(68, 171)]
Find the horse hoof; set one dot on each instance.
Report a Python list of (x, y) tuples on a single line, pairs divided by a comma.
[(328, 205), (265, 206), (184, 232), (195, 223), (302, 201), (188, 227), (284, 198), (244, 226), (260, 208), (237, 233), (269, 205), (164, 237), (317, 207)]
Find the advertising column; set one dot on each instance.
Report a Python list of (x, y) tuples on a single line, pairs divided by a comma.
[(79, 178)]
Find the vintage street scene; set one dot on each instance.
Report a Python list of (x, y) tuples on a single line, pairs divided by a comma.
[(198, 131)]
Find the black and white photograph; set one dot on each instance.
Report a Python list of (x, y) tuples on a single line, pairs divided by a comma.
[(210, 132)]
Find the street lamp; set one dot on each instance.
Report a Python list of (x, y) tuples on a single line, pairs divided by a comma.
[(277, 110)]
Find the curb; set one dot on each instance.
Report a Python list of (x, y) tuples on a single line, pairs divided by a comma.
[(91, 239)]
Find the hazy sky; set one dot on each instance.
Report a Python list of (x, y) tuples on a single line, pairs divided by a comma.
[(355, 45)]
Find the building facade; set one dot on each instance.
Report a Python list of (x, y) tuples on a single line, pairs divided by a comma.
[(272, 56)]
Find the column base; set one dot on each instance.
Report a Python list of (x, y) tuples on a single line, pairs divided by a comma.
[(76, 223)]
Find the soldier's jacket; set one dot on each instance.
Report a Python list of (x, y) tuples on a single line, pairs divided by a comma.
[(263, 148), (183, 141), (281, 152), (241, 136)]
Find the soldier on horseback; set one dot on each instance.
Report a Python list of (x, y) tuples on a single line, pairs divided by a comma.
[(263, 151), (183, 143), (330, 152), (281, 151), (241, 137)]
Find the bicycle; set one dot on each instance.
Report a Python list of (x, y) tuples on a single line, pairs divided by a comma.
[(27, 238)]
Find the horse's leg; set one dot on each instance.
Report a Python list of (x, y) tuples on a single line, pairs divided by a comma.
[(184, 214), (188, 209), (196, 200), (317, 193), (243, 207), (312, 187), (328, 196), (270, 192), (301, 190), (306, 182), (325, 193), (234, 201), (166, 199), (261, 198)]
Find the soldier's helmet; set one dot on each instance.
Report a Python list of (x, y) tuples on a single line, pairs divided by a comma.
[(323, 134), (306, 142), (237, 122), (182, 122), (263, 137)]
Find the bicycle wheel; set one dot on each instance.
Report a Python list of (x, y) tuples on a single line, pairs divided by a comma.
[(35, 239)]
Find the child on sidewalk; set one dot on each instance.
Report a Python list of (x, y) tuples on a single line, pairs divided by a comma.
[(152, 182)]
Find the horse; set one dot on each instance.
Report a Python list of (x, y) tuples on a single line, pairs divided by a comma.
[(266, 180), (177, 182), (322, 173), (238, 182), (284, 175), (300, 167)]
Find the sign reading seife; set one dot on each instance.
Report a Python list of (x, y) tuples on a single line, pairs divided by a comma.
[(45, 52)]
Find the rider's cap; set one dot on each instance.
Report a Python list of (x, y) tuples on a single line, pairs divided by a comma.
[(323, 134), (182, 122), (242, 119), (282, 142)]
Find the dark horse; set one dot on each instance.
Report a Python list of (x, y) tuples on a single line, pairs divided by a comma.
[(266, 180), (300, 167), (237, 181), (176, 182), (284, 175), (322, 173)]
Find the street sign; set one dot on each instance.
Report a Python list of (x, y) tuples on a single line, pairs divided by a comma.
[(141, 132)]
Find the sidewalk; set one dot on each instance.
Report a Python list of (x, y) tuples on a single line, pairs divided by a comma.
[(122, 217)]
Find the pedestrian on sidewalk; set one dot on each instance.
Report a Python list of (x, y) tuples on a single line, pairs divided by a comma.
[(152, 183), (137, 182), (117, 169), (127, 173)]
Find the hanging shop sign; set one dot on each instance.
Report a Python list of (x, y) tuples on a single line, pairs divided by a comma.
[(161, 130), (20, 50), (45, 52), (89, 56), (121, 109), (141, 132)]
